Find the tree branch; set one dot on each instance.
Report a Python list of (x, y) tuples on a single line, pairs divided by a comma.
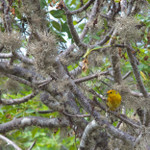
[(17, 71), (30, 148), (77, 115), (136, 94), (19, 100), (24, 58), (84, 7), (91, 18), (73, 30), (20, 80), (85, 143), (135, 71), (6, 55), (123, 4), (121, 117), (126, 75), (85, 103), (77, 70), (85, 30), (19, 56), (7, 18), (33, 121), (130, 5), (115, 61), (9, 142), (96, 75)]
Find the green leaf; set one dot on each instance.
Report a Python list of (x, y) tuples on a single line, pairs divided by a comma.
[(56, 25), (75, 22), (57, 13), (105, 23), (29, 111), (43, 3), (148, 1), (115, 123), (81, 26), (66, 29), (1, 111), (95, 37), (34, 131), (73, 2)]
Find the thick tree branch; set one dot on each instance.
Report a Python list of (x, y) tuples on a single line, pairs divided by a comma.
[(85, 30), (77, 70), (71, 107), (123, 4), (114, 131), (19, 56), (85, 142), (91, 18), (19, 100), (6, 55), (115, 61), (9, 142), (73, 30), (136, 71), (24, 58), (136, 94), (120, 134), (7, 18), (85, 103), (17, 71), (20, 80), (130, 6), (33, 121), (116, 67), (113, 10)]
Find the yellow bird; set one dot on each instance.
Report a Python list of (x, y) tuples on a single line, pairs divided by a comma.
[(113, 100)]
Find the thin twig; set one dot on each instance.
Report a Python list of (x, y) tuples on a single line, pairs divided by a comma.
[(44, 111), (84, 7), (9, 142), (138, 138), (77, 115), (96, 75), (30, 148), (126, 75)]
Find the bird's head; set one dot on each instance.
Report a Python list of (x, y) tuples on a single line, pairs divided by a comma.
[(110, 92)]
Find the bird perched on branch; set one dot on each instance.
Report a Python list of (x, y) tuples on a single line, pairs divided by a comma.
[(113, 100)]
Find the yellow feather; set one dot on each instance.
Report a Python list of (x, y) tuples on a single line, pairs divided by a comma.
[(113, 100)]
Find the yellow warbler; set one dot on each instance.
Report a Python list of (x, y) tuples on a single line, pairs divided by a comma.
[(113, 100)]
